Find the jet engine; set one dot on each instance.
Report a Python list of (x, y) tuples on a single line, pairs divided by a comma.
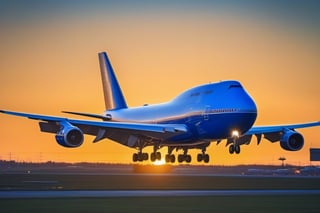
[(291, 141), (69, 135)]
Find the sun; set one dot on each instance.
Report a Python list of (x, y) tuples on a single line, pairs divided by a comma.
[(159, 162)]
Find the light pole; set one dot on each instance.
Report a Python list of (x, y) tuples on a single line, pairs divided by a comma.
[(282, 159)]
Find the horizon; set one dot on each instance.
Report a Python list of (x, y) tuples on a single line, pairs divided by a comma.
[(286, 165)]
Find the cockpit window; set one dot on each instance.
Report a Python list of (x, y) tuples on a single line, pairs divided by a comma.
[(208, 92), (195, 94), (235, 86)]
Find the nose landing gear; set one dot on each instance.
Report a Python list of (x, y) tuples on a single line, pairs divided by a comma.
[(233, 148)]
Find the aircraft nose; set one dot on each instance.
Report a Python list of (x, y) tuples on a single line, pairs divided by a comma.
[(251, 105), (242, 99), (248, 105), (245, 105)]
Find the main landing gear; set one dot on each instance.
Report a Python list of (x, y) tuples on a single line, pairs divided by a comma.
[(203, 156), (155, 156), (184, 157), (170, 158), (140, 156)]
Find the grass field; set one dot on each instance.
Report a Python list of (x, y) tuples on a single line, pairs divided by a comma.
[(168, 204)]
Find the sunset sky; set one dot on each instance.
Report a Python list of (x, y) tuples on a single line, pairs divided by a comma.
[(49, 63)]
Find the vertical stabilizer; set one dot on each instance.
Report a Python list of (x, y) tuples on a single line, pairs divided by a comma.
[(113, 96)]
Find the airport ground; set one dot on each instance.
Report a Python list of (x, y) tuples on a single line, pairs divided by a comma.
[(178, 189), (166, 204)]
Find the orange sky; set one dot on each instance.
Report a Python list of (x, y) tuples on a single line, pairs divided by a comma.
[(49, 63)]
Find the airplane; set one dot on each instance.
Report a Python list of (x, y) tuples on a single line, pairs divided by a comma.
[(194, 119)]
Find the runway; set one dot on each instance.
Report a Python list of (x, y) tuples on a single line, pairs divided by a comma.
[(148, 193)]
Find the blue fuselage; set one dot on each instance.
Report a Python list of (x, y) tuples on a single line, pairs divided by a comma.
[(211, 112)]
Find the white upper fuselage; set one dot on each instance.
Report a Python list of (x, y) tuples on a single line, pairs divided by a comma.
[(211, 111)]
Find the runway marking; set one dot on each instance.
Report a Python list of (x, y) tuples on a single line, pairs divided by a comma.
[(148, 193)]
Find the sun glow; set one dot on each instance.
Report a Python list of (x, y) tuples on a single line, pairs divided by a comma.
[(235, 134), (159, 162)]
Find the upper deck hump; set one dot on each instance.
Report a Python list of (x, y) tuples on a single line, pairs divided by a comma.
[(208, 88)]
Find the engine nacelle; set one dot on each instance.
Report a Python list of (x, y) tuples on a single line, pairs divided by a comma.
[(291, 141), (69, 135)]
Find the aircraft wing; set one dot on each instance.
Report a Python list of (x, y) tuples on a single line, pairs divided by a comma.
[(124, 132), (279, 128), (272, 133)]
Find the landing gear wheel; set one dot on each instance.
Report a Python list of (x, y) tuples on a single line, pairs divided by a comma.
[(153, 157), (140, 157), (188, 158), (168, 158), (145, 156), (203, 157), (172, 158), (231, 149), (206, 158), (237, 149), (158, 155), (135, 157), (180, 158)]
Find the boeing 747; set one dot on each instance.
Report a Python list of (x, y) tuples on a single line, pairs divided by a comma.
[(193, 120)]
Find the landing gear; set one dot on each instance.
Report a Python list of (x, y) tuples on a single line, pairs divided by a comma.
[(233, 148), (155, 156), (237, 149), (144, 156), (140, 156), (170, 158), (203, 156), (184, 157)]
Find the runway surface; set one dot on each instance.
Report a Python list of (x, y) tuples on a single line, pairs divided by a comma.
[(148, 193)]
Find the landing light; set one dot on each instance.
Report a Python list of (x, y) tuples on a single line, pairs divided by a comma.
[(235, 134), (159, 162)]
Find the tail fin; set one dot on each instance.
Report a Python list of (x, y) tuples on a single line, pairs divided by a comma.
[(113, 96)]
